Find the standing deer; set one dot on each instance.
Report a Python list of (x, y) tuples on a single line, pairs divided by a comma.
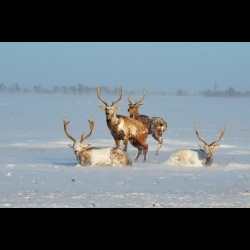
[(86, 155), (125, 128), (155, 125), (198, 157)]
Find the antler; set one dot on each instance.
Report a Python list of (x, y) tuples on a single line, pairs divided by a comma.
[(120, 97), (142, 98), (114, 102), (196, 129), (66, 123), (222, 132), (129, 100), (98, 94), (91, 126)]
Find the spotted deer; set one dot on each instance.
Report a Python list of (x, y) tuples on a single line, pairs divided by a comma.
[(125, 128), (197, 157), (94, 156), (156, 125)]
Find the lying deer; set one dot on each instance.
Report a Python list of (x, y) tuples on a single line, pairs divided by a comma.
[(198, 157), (155, 125), (125, 128), (87, 155)]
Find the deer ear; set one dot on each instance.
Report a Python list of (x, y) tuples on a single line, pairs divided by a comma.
[(201, 146), (102, 108), (117, 108), (216, 146), (86, 146)]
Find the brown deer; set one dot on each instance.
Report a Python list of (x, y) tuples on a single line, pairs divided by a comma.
[(125, 128), (155, 125), (93, 156), (197, 157)]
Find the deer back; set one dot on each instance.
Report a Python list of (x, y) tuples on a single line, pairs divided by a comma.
[(194, 157), (199, 157), (106, 156), (132, 127)]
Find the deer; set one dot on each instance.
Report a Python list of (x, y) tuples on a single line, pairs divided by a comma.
[(124, 128), (156, 125), (198, 157), (96, 156)]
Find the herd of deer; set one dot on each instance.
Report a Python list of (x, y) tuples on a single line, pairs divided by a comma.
[(135, 129)]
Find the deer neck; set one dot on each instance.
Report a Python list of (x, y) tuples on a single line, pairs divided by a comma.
[(112, 121), (84, 157), (207, 155), (208, 161), (135, 115)]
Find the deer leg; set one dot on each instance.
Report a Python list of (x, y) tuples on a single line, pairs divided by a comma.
[(145, 151), (125, 144), (159, 138), (140, 149), (160, 141), (117, 144)]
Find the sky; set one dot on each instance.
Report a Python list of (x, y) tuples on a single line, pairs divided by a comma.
[(154, 66)]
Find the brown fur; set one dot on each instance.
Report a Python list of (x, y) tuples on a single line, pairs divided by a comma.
[(84, 157), (117, 155), (125, 129), (155, 125)]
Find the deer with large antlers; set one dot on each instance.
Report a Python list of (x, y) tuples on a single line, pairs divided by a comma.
[(155, 125), (197, 157), (93, 156), (125, 128)]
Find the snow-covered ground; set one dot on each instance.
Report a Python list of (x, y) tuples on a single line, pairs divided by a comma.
[(38, 169)]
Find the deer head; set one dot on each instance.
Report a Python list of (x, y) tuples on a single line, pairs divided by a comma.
[(109, 109), (133, 107), (209, 148), (79, 146)]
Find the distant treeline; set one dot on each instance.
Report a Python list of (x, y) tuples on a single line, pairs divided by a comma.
[(230, 92), (77, 89), (83, 89)]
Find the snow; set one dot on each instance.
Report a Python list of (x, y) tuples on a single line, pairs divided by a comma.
[(38, 169)]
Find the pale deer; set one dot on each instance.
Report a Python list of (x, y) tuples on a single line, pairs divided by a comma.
[(197, 157), (125, 128), (96, 156), (156, 125)]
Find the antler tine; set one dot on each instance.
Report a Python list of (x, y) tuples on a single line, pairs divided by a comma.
[(196, 129), (120, 97), (66, 123), (91, 126), (98, 95), (142, 98), (222, 132), (129, 100), (137, 102)]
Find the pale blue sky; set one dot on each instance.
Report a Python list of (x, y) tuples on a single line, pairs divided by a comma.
[(155, 66)]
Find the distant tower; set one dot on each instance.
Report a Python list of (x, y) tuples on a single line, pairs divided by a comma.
[(215, 87)]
